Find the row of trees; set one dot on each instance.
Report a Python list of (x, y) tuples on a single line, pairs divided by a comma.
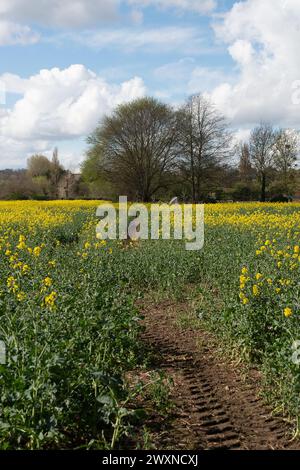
[(43, 179), (46, 173), (146, 149), (271, 154)]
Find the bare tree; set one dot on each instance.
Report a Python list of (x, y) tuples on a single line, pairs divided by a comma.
[(136, 146), (261, 153), (16, 184), (245, 167), (285, 151), (204, 141)]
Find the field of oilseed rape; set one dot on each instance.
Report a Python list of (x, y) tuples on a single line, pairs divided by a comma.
[(70, 322)]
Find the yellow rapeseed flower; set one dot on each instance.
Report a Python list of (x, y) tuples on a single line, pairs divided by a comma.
[(255, 290), (288, 312), (47, 281), (50, 299), (37, 251)]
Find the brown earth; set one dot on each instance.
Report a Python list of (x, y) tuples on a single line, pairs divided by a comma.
[(217, 405)]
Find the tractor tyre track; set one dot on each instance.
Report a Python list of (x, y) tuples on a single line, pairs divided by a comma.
[(216, 407)]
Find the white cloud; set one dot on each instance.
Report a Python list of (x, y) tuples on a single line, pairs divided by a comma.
[(242, 52), (14, 83), (59, 14), (204, 79), (185, 77), (137, 16), (179, 70), (242, 135), (198, 6), (18, 17), (58, 105), (14, 153), (13, 33), (166, 38), (68, 14), (263, 39)]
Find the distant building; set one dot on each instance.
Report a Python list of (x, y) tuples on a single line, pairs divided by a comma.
[(296, 196), (68, 185)]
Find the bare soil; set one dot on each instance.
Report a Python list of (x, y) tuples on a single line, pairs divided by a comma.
[(217, 405)]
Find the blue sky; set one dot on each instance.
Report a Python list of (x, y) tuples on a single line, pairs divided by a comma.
[(66, 64)]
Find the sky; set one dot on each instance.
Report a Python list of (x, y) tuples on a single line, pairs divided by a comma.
[(66, 64)]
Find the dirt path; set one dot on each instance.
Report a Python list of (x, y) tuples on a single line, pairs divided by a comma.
[(215, 406)]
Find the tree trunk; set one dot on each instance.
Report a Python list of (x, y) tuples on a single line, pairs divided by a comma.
[(193, 189), (193, 173), (263, 188)]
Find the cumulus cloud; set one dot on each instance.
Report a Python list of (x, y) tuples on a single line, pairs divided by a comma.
[(262, 39), (59, 105), (242, 52)]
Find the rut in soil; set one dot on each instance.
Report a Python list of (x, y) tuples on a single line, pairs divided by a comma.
[(216, 407)]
